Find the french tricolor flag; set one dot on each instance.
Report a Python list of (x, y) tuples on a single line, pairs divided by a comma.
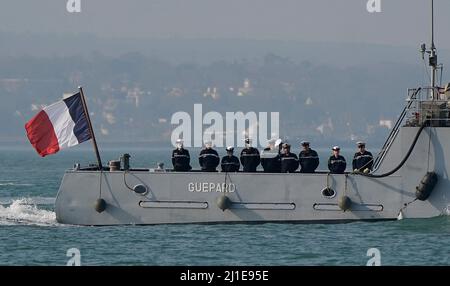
[(60, 125)]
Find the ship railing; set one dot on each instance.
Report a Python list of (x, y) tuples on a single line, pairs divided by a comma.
[(425, 104), (430, 106)]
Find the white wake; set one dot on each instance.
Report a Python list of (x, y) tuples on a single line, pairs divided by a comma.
[(25, 211), (447, 210)]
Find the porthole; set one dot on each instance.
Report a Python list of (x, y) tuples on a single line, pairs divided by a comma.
[(140, 190), (328, 193)]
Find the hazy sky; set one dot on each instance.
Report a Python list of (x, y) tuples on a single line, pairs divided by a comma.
[(401, 22)]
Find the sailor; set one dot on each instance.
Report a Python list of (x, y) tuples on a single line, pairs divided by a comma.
[(208, 158), (279, 145), (181, 158), (160, 167), (308, 159), (289, 161), (230, 163), (249, 157), (270, 159), (363, 159), (337, 163)]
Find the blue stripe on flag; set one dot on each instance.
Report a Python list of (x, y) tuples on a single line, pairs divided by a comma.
[(75, 106)]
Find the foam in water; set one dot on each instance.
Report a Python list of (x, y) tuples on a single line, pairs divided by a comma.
[(447, 210), (13, 184), (25, 211), (34, 200)]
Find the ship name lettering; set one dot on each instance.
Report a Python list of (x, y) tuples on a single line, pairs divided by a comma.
[(208, 187)]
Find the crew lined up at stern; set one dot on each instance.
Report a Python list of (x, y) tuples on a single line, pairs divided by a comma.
[(275, 158)]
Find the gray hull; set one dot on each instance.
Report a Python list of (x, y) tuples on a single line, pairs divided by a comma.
[(191, 197)]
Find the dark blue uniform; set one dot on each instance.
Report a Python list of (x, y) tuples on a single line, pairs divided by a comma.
[(309, 161), (337, 165), (250, 159), (208, 160), (362, 160), (181, 160), (270, 160), (230, 164), (289, 162)]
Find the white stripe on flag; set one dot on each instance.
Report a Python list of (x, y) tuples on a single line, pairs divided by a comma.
[(59, 115)]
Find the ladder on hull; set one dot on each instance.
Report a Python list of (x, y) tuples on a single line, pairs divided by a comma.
[(393, 134)]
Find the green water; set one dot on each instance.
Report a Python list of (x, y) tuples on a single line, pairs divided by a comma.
[(29, 234)]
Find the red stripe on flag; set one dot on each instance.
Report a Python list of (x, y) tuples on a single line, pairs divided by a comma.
[(41, 134)]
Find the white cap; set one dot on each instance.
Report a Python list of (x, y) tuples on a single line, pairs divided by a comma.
[(230, 148), (179, 141), (360, 143), (303, 143), (208, 143), (336, 148)]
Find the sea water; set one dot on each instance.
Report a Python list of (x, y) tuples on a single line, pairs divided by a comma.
[(30, 235)]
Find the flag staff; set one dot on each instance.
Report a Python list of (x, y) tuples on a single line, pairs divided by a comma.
[(91, 130)]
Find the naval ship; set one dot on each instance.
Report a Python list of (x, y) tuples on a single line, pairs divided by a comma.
[(410, 179)]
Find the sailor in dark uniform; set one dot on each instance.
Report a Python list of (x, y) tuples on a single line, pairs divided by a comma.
[(270, 159), (337, 163), (180, 158), (289, 161), (249, 157), (308, 159), (363, 159), (230, 163), (208, 158)]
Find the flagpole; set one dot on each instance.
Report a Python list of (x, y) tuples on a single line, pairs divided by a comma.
[(91, 130)]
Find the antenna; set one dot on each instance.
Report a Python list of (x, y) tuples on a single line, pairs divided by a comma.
[(432, 58), (433, 54)]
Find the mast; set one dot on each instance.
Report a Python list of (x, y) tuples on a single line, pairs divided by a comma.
[(432, 58), (433, 54)]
